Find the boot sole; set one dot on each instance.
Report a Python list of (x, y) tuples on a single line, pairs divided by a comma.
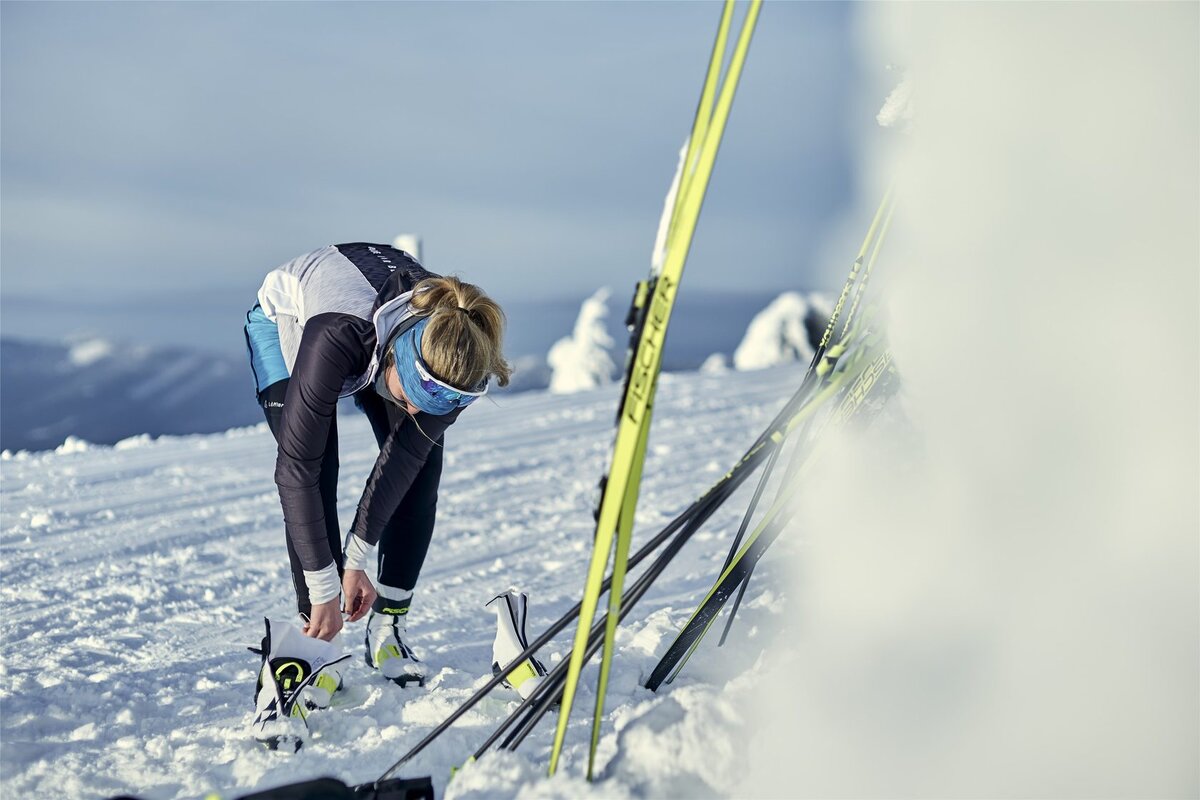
[(403, 681)]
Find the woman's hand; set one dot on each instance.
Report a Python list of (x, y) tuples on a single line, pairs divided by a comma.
[(324, 621), (359, 593)]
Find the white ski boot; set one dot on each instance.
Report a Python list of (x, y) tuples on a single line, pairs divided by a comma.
[(511, 609), (291, 664), (319, 694), (386, 650)]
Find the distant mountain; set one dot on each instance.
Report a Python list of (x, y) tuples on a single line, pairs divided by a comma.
[(103, 392)]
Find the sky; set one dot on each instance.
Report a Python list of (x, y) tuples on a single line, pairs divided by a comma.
[(157, 155)]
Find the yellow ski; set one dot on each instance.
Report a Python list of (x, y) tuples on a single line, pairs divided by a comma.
[(619, 500)]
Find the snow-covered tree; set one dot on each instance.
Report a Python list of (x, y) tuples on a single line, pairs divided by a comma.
[(714, 364), (582, 361), (776, 335), (409, 243)]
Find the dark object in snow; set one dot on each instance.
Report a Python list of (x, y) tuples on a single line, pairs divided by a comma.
[(333, 789)]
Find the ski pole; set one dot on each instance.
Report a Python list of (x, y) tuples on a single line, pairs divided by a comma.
[(848, 325), (694, 630), (715, 495), (555, 677), (544, 696), (703, 506)]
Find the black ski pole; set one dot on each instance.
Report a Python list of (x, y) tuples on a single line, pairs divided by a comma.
[(701, 507), (716, 495), (557, 675)]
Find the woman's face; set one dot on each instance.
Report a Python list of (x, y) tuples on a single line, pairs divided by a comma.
[(392, 378)]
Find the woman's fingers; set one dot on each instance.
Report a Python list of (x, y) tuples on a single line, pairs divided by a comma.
[(359, 593), (360, 604), (368, 600), (325, 621), (319, 632)]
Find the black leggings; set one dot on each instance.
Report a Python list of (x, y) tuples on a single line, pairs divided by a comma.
[(405, 540)]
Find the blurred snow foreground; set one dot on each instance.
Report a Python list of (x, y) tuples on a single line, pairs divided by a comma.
[(582, 361)]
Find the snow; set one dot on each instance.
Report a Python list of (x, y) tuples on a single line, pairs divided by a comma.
[(89, 352), (581, 361), (714, 364), (776, 335), (658, 255), (135, 576), (72, 444), (897, 110)]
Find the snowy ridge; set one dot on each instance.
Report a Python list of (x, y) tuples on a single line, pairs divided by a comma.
[(146, 568), (103, 391)]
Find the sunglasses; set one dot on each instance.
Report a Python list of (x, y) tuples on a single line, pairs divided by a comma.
[(439, 390)]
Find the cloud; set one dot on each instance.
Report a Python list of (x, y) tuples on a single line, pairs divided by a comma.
[(241, 134)]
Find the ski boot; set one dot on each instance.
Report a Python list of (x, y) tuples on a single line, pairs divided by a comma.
[(291, 664), (319, 694), (511, 609), (386, 650)]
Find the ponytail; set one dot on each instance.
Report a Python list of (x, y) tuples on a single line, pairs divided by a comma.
[(463, 341)]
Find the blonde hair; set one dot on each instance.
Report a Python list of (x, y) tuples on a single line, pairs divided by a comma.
[(464, 338)]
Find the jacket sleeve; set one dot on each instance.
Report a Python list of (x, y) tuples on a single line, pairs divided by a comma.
[(401, 457), (331, 349)]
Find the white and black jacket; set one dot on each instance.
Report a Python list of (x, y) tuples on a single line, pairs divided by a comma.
[(336, 309)]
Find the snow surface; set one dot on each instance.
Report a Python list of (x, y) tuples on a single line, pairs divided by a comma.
[(582, 361), (135, 576)]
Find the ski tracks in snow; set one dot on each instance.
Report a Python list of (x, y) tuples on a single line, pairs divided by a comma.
[(134, 576)]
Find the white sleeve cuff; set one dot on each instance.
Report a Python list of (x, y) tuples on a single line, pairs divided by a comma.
[(357, 553), (323, 584)]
